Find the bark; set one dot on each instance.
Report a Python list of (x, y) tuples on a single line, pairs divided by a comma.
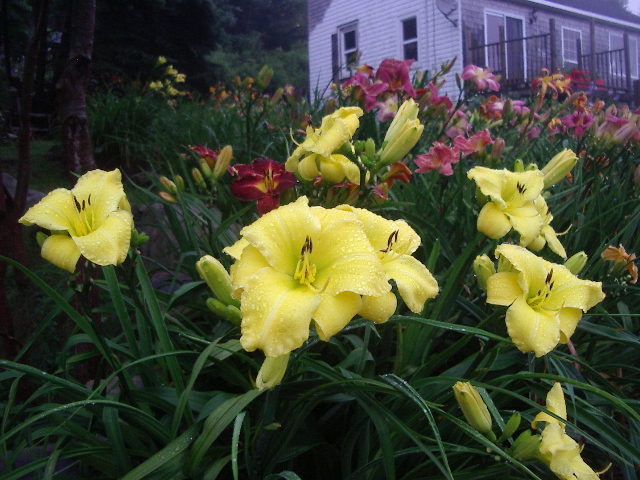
[(12, 206), (72, 88)]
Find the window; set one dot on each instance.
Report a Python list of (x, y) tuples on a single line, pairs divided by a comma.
[(616, 44), (410, 38), (349, 54), (570, 39), (504, 37)]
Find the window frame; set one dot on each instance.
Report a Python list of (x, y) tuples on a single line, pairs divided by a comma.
[(343, 65), (408, 41), (505, 15), (565, 43)]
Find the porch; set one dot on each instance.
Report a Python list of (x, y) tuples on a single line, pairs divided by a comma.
[(606, 74)]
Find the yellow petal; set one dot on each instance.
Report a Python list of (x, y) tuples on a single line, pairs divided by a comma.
[(62, 251), (308, 168), (532, 330), (276, 312), (332, 139), (503, 288), (555, 403), (553, 242), (109, 243), (492, 221), (569, 318), (335, 312), (378, 309), (106, 192), (281, 233), (345, 260), (532, 269), (54, 212), (527, 222), (415, 283), (236, 249), (489, 181), (241, 271)]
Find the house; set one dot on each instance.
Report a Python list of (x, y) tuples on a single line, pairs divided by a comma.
[(515, 38)]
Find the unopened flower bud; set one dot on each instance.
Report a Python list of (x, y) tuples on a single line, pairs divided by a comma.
[(228, 312), (197, 177), (558, 167), (636, 177), (526, 447), (576, 262), (497, 149), (168, 197), (138, 238), (264, 76), (224, 159), (179, 182), (205, 168), (277, 95), (483, 268), (518, 165), (370, 148), (473, 407), (168, 185), (512, 425), (217, 278), (272, 371), (625, 133), (41, 237)]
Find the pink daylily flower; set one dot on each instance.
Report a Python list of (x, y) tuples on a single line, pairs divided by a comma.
[(264, 180), (473, 144), (579, 121), (440, 157), (395, 73), (482, 78)]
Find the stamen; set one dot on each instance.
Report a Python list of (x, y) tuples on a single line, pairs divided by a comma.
[(77, 204)]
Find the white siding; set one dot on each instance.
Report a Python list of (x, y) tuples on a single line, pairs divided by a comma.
[(380, 37)]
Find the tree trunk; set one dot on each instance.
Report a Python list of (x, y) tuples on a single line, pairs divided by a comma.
[(72, 90), (12, 207)]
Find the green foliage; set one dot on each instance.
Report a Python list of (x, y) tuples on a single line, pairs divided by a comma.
[(171, 393)]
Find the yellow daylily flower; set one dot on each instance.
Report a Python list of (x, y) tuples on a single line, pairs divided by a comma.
[(93, 220), (557, 449), (394, 242), (548, 235), (545, 300), (298, 264), (511, 204), (319, 148), (473, 407)]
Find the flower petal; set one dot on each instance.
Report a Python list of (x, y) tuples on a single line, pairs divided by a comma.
[(109, 243), (281, 233), (241, 271), (531, 330), (503, 288), (308, 168), (555, 404), (569, 318), (335, 312), (236, 249), (62, 251), (378, 309), (493, 222), (105, 189), (276, 312), (55, 211), (415, 283)]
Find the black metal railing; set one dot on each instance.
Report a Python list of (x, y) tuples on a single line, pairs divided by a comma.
[(609, 71)]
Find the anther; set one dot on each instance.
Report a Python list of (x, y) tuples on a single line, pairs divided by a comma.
[(77, 204)]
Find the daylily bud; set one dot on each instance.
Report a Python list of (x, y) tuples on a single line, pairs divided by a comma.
[(558, 167), (228, 312), (138, 238), (408, 111), (41, 237), (168, 185), (518, 165), (197, 177), (636, 177), (526, 446), (370, 148), (264, 76), (404, 132), (576, 263), (473, 407), (272, 371), (168, 197), (497, 148), (277, 95), (483, 267), (224, 159), (205, 168), (179, 182), (625, 133), (511, 426), (217, 278)]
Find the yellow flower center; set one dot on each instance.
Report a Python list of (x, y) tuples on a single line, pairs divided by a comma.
[(391, 252), (305, 270), (83, 224), (539, 300)]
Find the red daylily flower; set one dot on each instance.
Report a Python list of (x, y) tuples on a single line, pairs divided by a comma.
[(264, 180), (440, 157), (205, 153)]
